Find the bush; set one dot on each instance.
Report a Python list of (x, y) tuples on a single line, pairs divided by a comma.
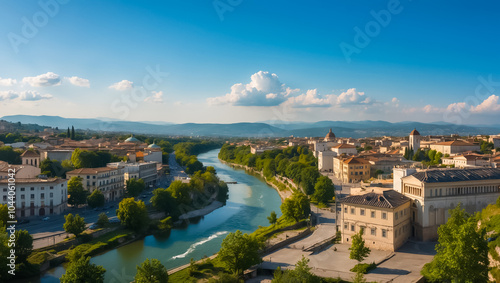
[(364, 267)]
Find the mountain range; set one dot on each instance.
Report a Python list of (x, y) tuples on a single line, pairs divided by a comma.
[(354, 129)]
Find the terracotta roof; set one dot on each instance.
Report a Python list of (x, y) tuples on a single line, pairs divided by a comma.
[(343, 145), (414, 133), (456, 175), (30, 153), (455, 143), (386, 199), (90, 171), (356, 160)]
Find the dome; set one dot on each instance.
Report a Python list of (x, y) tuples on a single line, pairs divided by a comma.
[(330, 135), (154, 145), (132, 139)]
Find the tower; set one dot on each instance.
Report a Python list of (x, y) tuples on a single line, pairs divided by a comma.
[(414, 142)]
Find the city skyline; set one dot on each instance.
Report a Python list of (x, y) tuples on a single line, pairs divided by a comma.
[(250, 61)]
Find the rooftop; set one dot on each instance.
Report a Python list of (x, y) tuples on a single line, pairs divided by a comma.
[(356, 160), (414, 133), (30, 153), (343, 145), (455, 143), (34, 180), (386, 199), (456, 175), (90, 171)]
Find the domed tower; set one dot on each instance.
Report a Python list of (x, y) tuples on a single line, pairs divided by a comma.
[(132, 139), (414, 142), (330, 136), (154, 145)]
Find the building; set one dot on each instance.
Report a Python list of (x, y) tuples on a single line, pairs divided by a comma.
[(30, 157), (434, 192), (56, 154), (398, 174), (351, 170), (325, 161), (454, 147), (147, 171), (109, 180), (414, 140), (384, 217), (346, 149), (467, 160), (330, 136), (37, 196)]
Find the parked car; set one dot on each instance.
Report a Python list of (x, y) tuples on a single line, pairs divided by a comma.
[(46, 218)]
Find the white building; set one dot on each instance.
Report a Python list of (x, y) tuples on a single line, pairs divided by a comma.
[(37, 197), (325, 161), (454, 147), (346, 149), (109, 180), (147, 171), (468, 160)]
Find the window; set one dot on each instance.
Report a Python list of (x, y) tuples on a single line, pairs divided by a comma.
[(384, 233), (43, 188), (5, 189), (51, 188), (352, 227), (431, 193), (396, 215), (373, 231), (22, 189), (32, 188), (51, 194), (32, 196), (345, 209), (353, 211), (42, 196), (4, 198), (362, 212), (384, 215), (22, 196), (346, 226), (373, 214)]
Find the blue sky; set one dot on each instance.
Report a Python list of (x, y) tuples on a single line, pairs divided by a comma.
[(233, 61)]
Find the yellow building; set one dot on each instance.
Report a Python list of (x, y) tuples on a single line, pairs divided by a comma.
[(384, 218), (355, 169)]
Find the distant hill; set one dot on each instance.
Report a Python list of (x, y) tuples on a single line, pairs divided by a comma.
[(354, 129)]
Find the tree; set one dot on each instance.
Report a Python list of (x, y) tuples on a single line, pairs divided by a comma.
[(68, 134), (151, 271), (4, 251), (301, 273), (72, 132), (103, 220), (324, 191), (462, 252), (296, 207), (240, 251), (180, 191), (359, 277), (24, 245), (163, 200), (52, 168), (96, 199), (74, 224), (4, 213), (77, 195), (82, 271), (308, 179), (135, 187), (358, 250), (133, 214), (272, 218)]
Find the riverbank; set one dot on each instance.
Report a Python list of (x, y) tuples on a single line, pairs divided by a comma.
[(284, 194), (203, 211)]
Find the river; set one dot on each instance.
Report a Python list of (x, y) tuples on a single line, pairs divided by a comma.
[(250, 201)]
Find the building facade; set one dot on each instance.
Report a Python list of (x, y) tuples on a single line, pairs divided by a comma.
[(110, 181), (434, 192), (351, 170), (384, 218)]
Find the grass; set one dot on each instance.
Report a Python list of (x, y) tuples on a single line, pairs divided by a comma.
[(104, 242), (209, 268), (39, 257), (265, 231)]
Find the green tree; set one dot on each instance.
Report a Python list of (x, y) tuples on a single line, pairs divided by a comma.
[(103, 220), (240, 251), (301, 273), (324, 191), (24, 245), (4, 252), (74, 224), (82, 271), (52, 168), (133, 214), (180, 191), (96, 199), (358, 249), (68, 134), (9, 155), (165, 224), (272, 218), (225, 278), (163, 200), (151, 271), (72, 132), (135, 187), (77, 195), (297, 207), (308, 179), (462, 252), (359, 277), (4, 213)]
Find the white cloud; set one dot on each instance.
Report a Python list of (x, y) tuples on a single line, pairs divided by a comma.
[(33, 96), (43, 80), (7, 82), (78, 81), (123, 85), (490, 104), (264, 89), (156, 97), (351, 96), (8, 95), (310, 99), (431, 109)]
